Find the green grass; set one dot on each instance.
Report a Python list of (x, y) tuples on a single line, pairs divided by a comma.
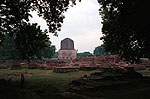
[(46, 84), (144, 72), (42, 84)]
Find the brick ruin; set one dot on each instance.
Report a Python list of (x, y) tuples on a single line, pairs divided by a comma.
[(67, 61), (92, 63), (70, 65)]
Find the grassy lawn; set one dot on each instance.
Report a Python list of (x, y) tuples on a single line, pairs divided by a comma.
[(46, 84), (42, 84), (144, 72)]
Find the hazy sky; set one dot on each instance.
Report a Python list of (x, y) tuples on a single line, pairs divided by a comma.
[(82, 24)]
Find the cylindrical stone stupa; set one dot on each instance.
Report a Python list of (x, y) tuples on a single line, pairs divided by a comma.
[(67, 50)]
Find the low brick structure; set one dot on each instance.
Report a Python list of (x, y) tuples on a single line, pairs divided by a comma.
[(2, 66), (69, 65), (16, 66), (88, 68), (33, 66), (65, 69)]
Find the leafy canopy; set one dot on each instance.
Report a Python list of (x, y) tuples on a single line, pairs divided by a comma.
[(126, 28), (30, 40), (8, 49), (14, 12), (46, 52), (14, 18), (100, 51)]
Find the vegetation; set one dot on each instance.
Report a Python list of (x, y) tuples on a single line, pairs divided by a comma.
[(49, 85), (100, 51), (84, 55), (114, 84), (42, 84), (31, 40), (55, 55), (47, 52), (16, 12), (14, 19), (126, 28), (9, 49)]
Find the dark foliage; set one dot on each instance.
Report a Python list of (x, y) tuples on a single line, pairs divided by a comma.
[(15, 13), (47, 52), (8, 49), (100, 51), (126, 28), (84, 55), (31, 40), (55, 55)]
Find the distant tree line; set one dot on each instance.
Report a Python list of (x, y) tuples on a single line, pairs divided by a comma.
[(84, 55), (8, 50)]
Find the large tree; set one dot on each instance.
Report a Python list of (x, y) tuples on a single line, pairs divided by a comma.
[(15, 13), (126, 28), (9, 50), (30, 40)]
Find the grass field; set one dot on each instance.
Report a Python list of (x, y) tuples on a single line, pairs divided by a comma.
[(43, 84), (46, 84)]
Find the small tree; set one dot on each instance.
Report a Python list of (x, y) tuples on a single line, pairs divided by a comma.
[(100, 51)]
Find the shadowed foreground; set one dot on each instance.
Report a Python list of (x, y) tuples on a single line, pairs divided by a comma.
[(46, 84)]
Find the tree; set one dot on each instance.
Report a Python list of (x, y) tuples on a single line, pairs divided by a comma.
[(15, 13), (126, 28), (47, 52), (84, 55), (8, 49), (100, 51), (55, 55), (30, 40)]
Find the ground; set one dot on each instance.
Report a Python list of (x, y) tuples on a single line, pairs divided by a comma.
[(42, 84), (45, 84)]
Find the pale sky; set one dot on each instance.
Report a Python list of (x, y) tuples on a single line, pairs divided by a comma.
[(82, 24)]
